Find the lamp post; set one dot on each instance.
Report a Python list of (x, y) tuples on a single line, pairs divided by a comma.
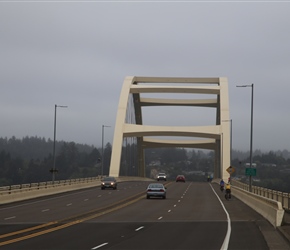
[(53, 170), (251, 138), (103, 126)]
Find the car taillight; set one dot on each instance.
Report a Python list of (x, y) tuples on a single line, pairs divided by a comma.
[(161, 190)]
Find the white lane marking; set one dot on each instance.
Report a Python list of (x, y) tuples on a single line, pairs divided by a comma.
[(174, 205), (169, 211), (100, 195), (43, 200), (10, 218), (228, 235), (44, 210), (69, 204), (139, 228), (86, 199), (160, 218), (181, 197), (100, 245)]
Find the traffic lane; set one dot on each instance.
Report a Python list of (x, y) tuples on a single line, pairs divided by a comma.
[(247, 225), (67, 204), (148, 209), (154, 235), (129, 239), (120, 234), (184, 202), (47, 209)]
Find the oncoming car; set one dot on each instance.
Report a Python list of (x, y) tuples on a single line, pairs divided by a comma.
[(156, 190), (109, 182), (161, 177), (180, 178)]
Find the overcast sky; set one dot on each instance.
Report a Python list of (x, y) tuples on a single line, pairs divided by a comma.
[(78, 54)]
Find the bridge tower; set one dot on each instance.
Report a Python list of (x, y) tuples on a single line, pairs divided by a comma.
[(213, 137)]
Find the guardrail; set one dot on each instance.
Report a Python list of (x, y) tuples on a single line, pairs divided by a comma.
[(41, 185), (33, 190), (282, 197)]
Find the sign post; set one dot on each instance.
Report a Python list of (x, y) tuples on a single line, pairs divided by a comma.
[(230, 170)]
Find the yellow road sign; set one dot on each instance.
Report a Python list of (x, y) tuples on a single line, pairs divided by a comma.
[(231, 169)]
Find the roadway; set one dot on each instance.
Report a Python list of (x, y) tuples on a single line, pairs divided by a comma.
[(194, 216)]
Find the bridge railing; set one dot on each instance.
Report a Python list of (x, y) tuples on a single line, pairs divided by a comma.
[(44, 185), (282, 197)]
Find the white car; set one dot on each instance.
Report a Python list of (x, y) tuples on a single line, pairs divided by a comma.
[(161, 177), (156, 190)]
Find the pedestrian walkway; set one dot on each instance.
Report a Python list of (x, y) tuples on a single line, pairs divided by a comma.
[(277, 238), (285, 228)]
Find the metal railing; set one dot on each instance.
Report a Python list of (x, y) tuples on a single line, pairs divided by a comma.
[(45, 185), (282, 197)]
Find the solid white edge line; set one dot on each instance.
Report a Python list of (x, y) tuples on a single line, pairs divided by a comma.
[(228, 235), (100, 245)]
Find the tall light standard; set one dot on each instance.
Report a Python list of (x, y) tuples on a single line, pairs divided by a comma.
[(53, 170), (251, 138), (103, 126)]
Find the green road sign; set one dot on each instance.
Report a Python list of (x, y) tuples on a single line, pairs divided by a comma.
[(251, 171)]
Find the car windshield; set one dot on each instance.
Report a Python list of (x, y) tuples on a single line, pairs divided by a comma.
[(155, 186), (109, 179)]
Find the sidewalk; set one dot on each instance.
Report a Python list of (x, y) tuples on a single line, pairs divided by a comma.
[(285, 228)]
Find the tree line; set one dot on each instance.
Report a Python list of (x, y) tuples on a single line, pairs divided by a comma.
[(30, 160)]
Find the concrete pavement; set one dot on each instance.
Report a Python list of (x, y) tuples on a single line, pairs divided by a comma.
[(285, 228)]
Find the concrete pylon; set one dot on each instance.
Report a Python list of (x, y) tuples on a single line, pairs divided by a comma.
[(215, 137)]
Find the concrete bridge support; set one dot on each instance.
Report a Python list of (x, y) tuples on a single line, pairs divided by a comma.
[(213, 137)]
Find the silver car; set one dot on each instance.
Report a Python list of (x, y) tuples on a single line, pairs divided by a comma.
[(156, 190)]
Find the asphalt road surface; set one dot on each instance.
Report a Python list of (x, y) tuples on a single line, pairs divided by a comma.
[(194, 216)]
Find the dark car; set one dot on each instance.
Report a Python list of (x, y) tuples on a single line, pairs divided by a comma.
[(156, 190), (109, 182), (180, 178)]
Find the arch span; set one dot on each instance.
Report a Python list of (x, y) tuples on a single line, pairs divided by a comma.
[(215, 137)]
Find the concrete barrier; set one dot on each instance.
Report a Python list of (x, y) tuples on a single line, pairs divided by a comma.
[(270, 209)]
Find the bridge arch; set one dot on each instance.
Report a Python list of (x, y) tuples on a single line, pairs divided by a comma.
[(215, 137)]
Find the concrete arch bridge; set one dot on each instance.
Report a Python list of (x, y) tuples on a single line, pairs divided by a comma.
[(134, 95)]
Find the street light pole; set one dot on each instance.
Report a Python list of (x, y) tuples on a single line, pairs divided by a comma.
[(53, 170), (103, 126), (251, 137)]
